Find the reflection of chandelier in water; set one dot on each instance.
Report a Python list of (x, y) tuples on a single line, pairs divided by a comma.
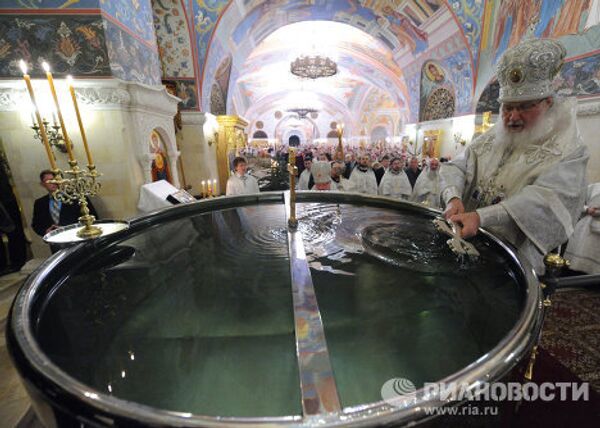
[(313, 66), (302, 112)]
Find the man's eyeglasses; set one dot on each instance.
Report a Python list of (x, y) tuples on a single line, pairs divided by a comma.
[(521, 107)]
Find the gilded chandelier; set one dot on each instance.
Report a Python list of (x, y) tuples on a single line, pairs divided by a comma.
[(302, 112), (313, 66)]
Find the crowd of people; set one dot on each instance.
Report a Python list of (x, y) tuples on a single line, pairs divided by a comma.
[(394, 174), (524, 179)]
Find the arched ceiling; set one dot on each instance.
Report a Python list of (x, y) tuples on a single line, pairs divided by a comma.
[(398, 32), (265, 82)]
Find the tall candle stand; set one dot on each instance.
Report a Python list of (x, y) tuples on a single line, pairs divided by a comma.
[(55, 138), (293, 170), (80, 185), (339, 152), (73, 184)]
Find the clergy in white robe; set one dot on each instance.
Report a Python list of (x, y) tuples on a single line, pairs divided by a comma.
[(240, 182), (583, 249), (524, 179), (305, 175), (321, 172), (395, 183), (362, 179), (427, 186)]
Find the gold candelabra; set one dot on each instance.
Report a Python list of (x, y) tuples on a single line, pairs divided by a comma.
[(55, 138), (293, 170), (80, 183), (339, 153), (79, 187)]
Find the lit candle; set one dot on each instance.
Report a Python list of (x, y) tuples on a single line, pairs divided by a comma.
[(46, 68), (215, 187), (208, 190), (38, 117), (203, 188), (83, 137), (54, 118)]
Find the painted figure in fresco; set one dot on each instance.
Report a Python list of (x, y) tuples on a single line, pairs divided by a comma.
[(570, 17), (593, 17), (434, 72), (407, 33), (514, 18), (160, 164)]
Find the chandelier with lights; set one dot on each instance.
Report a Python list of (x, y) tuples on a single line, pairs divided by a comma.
[(313, 66), (302, 112)]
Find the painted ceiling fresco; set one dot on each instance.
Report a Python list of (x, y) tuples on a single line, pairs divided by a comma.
[(466, 37), (361, 61)]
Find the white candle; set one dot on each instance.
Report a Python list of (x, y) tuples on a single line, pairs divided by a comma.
[(49, 152), (88, 153), (65, 136), (214, 187)]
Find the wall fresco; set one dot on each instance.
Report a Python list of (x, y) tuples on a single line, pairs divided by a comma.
[(580, 77), (50, 4), (488, 101), (130, 59), (470, 14), (173, 39), (187, 90), (136, 15), (437, 92), (72, 44)]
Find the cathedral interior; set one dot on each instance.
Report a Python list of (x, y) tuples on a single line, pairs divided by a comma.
[(170, 302)]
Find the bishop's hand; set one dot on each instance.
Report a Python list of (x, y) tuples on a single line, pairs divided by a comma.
[(455, 206), (469, 223)]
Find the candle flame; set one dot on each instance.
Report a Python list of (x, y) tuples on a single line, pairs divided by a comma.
[(23, 66), (46, 67), (70, 80)]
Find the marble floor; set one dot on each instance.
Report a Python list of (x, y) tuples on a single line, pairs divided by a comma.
[(14, 403)]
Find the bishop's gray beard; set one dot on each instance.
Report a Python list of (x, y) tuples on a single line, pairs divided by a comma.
[(539, 132)]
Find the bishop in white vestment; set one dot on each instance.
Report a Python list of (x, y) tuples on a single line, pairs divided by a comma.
[(524, 179)]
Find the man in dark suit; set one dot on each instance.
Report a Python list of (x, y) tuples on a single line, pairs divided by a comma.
[(50, 214)]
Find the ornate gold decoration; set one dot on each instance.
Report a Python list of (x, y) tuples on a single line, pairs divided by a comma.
[(313, 67), (230, 138), (293, 170), (77, 188), (486, 123), (431, 143), (339, 152), (516, 75), (529, 371), (55, 138)]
